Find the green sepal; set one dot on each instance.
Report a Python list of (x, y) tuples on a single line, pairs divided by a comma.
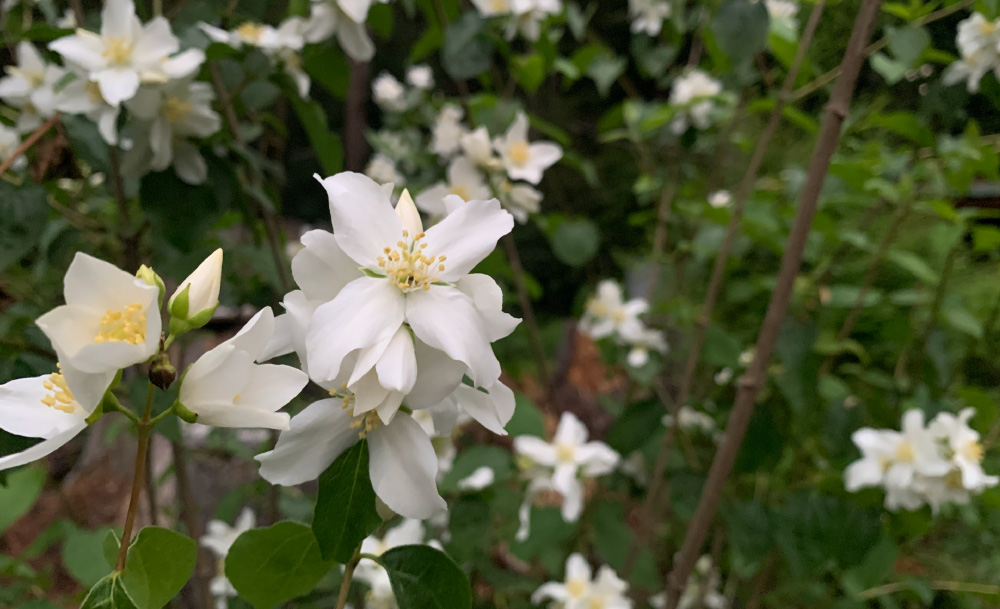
[(150, 277), (184, 413), (202, 317), (95, 416), (179, 305)]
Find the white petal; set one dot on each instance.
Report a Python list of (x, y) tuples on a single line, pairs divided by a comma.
[(216, 378), (368, 393), (84, 49), (438, 376), (42, 449), (468, 235), (364, 221), (205, 282), (572, 505), (321, 268), (189, 165), (155, 44), (22, 412), (408, 214), (230, 416), (492, 410), (577, 567), (94, 283), (271, 387), (597, 458), (397, 368), (183, 64), (281, 341), (431, 201), (116, 19), (317, 436), (488, 298), (550, 590), (571, 430), (357, 10), (255, 335), (404, 467), (354, 39), (862, 473), (537, 449), (117, 84)]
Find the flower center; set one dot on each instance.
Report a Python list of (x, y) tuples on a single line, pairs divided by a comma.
[(118, 51), (576, 588), (972, 450), (618, 315), (35, 79), (986, 28), (364, 423), (597, 603), (251, 32), (519, 152), (60, 397), (126, 325), (905, 452), (597, 308), (407, 266), (461, 191), (93, 91), (176, 109), (565, 452), (498, 5)]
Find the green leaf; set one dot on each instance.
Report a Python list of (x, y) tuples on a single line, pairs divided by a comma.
[(959, 318), (575, 241), (636, 426), (613, 539), (527, 419), (25, 211), (425, 578), (109, 593), (471, 459), (326, 144), (907, 43), (605, 69), (183, 213), (83, 555), (530, 71), (345, 507), (891, 70), (467, 51), (159, 563), (109, 548), (915, 265), (985, 238), (20, 493), (272, 565), (740, 29), (326, 65)]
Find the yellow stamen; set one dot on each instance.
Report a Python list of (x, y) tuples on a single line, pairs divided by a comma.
[(461, 191), (905, 452), (118, 51), (251, 32), (576, 588), (127, 325), (520, 152), (565, 452), (407, 267), (175, 109), (60, 398), (972, 450)]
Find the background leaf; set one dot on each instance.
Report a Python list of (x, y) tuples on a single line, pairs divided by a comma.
[(425, 578)]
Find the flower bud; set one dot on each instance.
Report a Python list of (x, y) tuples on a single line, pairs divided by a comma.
[(197, 296), (151, 278), (161, 372)]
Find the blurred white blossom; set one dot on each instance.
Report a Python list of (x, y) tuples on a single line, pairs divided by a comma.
[(693, 96), (648, 15), (978, 41), (30, 87)]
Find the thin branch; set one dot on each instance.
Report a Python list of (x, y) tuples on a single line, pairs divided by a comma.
[(355, 121), (189, 513), (137, 481), (524, 299), (660, 232), (950, 586), (829, 135), (128, 234), (29, 142), (345, 584)]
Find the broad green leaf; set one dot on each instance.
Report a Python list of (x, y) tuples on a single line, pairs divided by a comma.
[(159, 563), (907, 43), (605, 69), (637, 425), (891, 70), (985, 238), (527, 419), (740, 28), (109, 593), (959, 318), (20, 493), (326, 144), (425, 578), (183, 213), (530, 71), (110, 546), (575, 241), (467, 51), (915, 265), (83, 555), (613, 539), (345, 507), (272, 565), (25, 210), (326, 66)]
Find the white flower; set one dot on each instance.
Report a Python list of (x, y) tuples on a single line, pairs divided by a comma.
[(420, 77), (693, 94), (344, 19), (169, 115), (52, 407), (571, 457), (30, 86), (607, 312), (83, 96), (606, 591), (648, 15), (110, 321), (481, 478), (720, 199), (464, 181), (127, 53), (478, 149), (10, 140), (493, 8), (963, 444), (225, 388), (524, 160), (641, 341), (520, 200), (402, 462), (389, 93), (219, 538), (288, 35), (447, 131), (68, 20), (722, 377), (383, 170), (528, 17), (688, 418), (202, 285), (978, 41)]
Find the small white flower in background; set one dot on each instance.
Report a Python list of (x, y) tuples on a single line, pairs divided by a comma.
[(408, 532), (579, 591), (571, 458), (226, 388), (641, 340), (978, 41), (167, 116), (344, 19), (464, 181), (110, 321), (202, 286), (383, 170), (126, 53), (688, 418), (420, 77), (746, 357), (528, 16), (522, 159), (519, 199), (219, 538), (693, 95), (68, 20), (478, 148), (964, 447), (288, 35), (722, 377), (648, 15), (30, 87), (493, 8), (720, 199), (607, 313), (83, 96), (481, 478), (783, 16), (447, 132), (635, 467), (389, 93), (702, 589), (10, 140)]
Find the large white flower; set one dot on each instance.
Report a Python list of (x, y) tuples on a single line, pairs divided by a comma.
[(522, 159), (126, 53), (464, 181), (225, 388), (111, 319), (219, 538), (168, 116), (52, 407), (344, 19), (412, 283), (648, 15), (30, 87), (571, 457), (607, 313), (402, 463)]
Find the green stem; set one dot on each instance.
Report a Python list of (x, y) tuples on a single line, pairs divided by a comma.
[(111, 400), (139, 476), (950, 586), (166, 413), (345, 584)]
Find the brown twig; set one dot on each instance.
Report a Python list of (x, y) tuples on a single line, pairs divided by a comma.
[(660, 233), (355, 122), (829, 135), (950, 586), (345, 584), (524, 299), (145, 430), (29, 142)]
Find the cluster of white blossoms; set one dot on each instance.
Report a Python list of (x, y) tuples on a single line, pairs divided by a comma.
[(648, 15), (281, 45), (219, 538), (608, 315), (978, 41), (934, 464), (582, 590), (693, 95), (111, 321), (561, 466), (523, 16), (390, 320), (393, 96), (720, 199)]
